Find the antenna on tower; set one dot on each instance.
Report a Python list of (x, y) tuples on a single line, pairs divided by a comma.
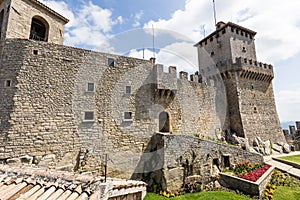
[(215, 13), (153, 42), (143, 52)]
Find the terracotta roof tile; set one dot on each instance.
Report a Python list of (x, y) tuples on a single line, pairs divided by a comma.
[(27, 183)]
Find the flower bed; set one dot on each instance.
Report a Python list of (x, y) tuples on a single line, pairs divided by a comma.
[(255, 174), (247, 178)]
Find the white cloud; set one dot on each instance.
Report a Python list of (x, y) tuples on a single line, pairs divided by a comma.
[(275, 21), (137, 18), (288, 102), (90, 25), (182, 55)]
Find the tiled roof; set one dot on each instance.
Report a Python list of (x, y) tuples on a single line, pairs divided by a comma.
[(33, 183)]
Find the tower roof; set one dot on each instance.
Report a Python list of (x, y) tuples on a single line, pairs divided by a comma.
[(221, 26), (38, 3)]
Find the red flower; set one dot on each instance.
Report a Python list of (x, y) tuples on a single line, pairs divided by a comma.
[(255, 174)]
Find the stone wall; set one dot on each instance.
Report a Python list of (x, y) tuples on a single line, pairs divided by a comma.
[(50, 93), (170, 159)]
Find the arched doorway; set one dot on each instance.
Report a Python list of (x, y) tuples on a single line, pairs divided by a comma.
[(1, 22), (39, 29), (164, 122)]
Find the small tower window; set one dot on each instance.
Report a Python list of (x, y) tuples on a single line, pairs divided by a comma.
[(35, 52), (39, 29), (255, 110), (7, 83), (90, 87), (128, 115), (212, 53), (128, 90), (111, 62), (89, 116)]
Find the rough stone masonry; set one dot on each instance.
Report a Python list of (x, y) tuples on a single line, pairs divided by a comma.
[(72, 107)]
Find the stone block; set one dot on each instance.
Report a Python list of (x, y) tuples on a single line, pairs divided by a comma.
[(286, 148), (174, 178), (13, 161), (277, 148)]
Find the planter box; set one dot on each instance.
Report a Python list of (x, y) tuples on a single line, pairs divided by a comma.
[(245, 186)]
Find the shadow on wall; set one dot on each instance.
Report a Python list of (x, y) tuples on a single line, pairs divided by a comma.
[(150, 167)]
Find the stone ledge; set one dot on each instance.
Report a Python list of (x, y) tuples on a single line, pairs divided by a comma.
[(293, 164), (248, 187)]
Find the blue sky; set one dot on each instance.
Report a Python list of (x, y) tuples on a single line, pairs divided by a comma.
[(125, 27)]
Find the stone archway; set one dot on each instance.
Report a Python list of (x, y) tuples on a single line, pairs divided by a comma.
[(164, 122)]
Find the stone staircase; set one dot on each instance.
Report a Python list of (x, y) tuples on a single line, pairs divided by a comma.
[(290, 168)]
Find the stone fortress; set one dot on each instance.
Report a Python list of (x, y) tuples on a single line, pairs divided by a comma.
[(67, 108)]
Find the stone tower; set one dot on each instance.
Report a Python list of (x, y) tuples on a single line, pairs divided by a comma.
[(228, 55), (30, 19)]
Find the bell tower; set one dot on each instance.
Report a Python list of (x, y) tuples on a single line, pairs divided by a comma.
[(30, 19), (228, 54)]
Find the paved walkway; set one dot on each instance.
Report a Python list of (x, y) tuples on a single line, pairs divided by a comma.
[(282, 166)]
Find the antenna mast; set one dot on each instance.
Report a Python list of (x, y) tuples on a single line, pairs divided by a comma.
[(153, 42), (215, 13)]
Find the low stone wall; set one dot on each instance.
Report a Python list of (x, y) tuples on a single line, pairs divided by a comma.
[(170, 159), (245, 186)]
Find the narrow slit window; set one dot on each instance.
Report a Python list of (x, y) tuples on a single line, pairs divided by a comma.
[(7, 83), (111, 62), (128, 89)]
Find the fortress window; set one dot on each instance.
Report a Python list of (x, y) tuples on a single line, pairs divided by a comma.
[(205, 42), (35, 52), (128, 115), (242, 33), (128, 90), (232, 29), (244, 49), (111, 62), (211, 39), (246, 34), (255, 110), (88, 116), (7, 83), (237, 31), (39, 29), (90, 87), (224, 31), (251, 37), (217, 35), (212, 53)]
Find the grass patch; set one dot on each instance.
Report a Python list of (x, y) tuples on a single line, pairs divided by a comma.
[(295, 159), (213, 195), (284, 192)]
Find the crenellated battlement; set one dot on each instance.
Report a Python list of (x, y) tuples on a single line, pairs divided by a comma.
[(246, 68), (168, 80), (253, 63)]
